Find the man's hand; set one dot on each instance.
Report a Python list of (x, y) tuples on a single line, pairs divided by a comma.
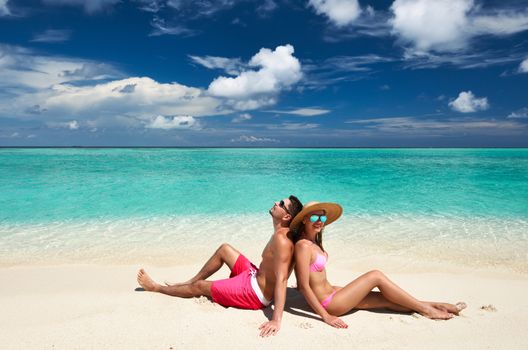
[(335, 322), (269, 328)]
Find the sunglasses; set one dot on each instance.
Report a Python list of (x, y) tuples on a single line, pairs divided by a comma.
[(283, 206), (321, 218)]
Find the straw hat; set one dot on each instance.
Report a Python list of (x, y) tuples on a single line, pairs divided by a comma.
[(333, 212)]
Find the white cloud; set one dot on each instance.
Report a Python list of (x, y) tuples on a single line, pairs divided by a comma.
[(340, 12), (52, 36), (197, 9), (241, 118), (519, 114), (90, 6), (500, 23), (253, 139), (266, 7), (151, 5), (58, 89), (304, 112), (4, 10), (293, 126), (445, 127), (162, 28), (448, 25), (26, 69), (279, 70), (72, 125), (431, 24), (177, 122), (523, 67), (231, 66), (141, 96), (466, 102)]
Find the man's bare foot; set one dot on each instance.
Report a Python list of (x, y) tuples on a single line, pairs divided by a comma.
[(454, 309), (436, 314), (146, 282)]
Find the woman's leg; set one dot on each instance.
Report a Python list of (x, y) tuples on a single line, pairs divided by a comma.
[(376, 300), (350, 296)]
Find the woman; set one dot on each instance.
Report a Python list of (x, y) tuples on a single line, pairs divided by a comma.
[(331, 301)]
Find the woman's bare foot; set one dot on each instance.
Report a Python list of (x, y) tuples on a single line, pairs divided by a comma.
[(146, 282), (454, 309), (436, 313)]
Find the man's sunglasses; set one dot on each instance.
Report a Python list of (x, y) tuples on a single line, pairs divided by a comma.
[(283, 206), (322, 218)]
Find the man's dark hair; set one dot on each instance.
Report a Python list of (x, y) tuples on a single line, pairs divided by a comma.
[(295, 206)]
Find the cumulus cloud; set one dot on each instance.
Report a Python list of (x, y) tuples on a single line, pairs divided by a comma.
[(241, 118), (58, 89), (431, 24), (278, 71), (303, 112), (466, 102), (448, 25), (519, 114), (90, 6), (176, 122), (52, 36), (4, 10), (523, 67), (253, 139), (339, 12), (141, 95)]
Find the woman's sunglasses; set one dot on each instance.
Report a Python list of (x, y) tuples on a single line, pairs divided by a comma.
[(321, 218)]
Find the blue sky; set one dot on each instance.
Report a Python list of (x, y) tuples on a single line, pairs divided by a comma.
[(269, 73)]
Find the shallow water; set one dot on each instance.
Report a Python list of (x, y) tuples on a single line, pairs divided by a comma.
[(70, 205)]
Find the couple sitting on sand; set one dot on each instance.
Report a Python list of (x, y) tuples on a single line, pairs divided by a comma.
[(297, 240)]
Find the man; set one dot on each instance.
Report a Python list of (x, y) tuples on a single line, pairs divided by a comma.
[(247, 287)]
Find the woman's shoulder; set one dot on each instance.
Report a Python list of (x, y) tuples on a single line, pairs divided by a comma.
[(303, 244)]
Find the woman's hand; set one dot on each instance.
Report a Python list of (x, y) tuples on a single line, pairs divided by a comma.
[(335, 321)]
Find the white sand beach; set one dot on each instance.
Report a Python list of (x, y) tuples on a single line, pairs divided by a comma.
[(98, 307)]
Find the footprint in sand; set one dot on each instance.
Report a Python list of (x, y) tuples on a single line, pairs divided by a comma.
[(305, 325), (203, 301), (489, 308)]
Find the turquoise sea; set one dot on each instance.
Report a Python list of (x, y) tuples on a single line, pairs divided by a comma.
[(69, 205)]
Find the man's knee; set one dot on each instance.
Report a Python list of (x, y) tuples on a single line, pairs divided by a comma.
[(224, 247), (202, 287)]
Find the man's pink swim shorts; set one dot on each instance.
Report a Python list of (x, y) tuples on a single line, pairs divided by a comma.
[(241, 289)]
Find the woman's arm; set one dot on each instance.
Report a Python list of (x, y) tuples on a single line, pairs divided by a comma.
[(303, 254)]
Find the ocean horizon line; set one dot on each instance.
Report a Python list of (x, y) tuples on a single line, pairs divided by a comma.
[(250, 147)]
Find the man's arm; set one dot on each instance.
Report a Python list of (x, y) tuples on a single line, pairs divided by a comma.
[(282, 250)]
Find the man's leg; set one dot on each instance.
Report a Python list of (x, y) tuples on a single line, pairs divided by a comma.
[(193, 289), (225, 254)]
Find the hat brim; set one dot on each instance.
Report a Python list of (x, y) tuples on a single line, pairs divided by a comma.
[(333, 212)]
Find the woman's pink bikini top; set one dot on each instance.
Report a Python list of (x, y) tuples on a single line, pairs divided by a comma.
[(319, 264)]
